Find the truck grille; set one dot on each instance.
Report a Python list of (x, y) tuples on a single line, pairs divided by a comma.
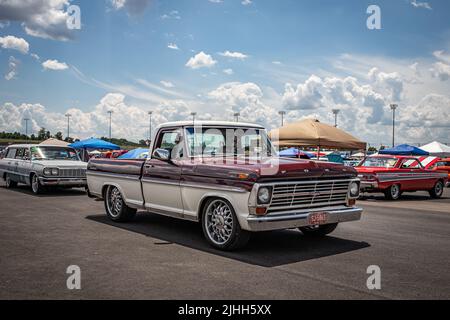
[(308, 194), (72, 173)]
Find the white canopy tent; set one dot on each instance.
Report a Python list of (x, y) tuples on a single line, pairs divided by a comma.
[(437, 149)]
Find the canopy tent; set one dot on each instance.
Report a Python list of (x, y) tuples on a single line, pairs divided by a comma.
[(437, 149), (294, 152), (312, 132), (54, 142), (139, 153), (93, 143), (404, 150)]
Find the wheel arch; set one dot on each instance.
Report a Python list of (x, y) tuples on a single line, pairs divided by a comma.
[(209, 196)]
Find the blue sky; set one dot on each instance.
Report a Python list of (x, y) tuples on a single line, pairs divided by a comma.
[(125, 54)]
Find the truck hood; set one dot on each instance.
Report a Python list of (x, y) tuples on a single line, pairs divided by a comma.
[(61, 163), (271, 168)]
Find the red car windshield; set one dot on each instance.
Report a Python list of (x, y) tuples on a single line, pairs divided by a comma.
[(379, 162)]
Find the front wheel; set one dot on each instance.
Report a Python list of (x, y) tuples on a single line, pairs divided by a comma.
[(221, 227), (10, 183), (393, 192), (116, 208), (318, 231), (36, 185), (437, 190)]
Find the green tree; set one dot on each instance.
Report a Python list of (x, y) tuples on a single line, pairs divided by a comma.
[(59, 135)]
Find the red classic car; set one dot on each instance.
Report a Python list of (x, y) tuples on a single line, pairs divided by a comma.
[(441, 165), (393, 175)]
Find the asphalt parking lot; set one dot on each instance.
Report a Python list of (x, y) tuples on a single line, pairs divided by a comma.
[(161, 258)]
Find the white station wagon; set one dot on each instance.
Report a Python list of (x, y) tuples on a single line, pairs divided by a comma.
[(40, 166)]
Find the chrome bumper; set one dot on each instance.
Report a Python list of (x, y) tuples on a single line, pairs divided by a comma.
[(68, 182), (368, 185), (292, 220)]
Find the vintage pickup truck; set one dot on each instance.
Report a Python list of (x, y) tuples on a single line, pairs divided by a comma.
[(393, 175), (41, 166), (227, 176)]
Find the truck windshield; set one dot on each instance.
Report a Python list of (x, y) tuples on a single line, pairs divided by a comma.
[(249, 142), (53, 153), (380, 162)]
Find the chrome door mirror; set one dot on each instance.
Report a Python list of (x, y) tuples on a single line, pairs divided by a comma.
[(161, 154)]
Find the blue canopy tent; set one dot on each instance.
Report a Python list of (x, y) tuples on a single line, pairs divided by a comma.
[(294, 152), (405, 150), (138, 153), (93, 143)]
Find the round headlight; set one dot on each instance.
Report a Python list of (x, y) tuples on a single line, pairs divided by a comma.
[(264, 195), (55, 171), (47, 171), (354, 189)]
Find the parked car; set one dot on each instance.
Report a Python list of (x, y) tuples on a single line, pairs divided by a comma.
[(42, 166), (393, 175), (442, 165), (228, 177)]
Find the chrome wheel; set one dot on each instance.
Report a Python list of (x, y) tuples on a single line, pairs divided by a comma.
[(8, 181), (219, 222), (35, 184), (395, 191), (114, 202), (439, 189)]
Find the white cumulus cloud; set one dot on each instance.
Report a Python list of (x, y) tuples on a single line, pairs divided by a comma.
[(201, 60), (54, 65), (441, 70), (14, 43), (40, 18), (173, 46), (234, 55), (13, 65)]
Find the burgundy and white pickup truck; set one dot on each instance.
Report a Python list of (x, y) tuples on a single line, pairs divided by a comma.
[(227, 176)]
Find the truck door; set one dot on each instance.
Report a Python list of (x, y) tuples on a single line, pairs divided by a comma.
[(161, 179)]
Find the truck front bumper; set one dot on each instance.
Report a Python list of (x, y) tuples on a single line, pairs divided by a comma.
[(63, 182), (293, 220)]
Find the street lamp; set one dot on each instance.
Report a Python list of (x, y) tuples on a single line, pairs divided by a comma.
[(68, 115), (26, 126), (110, 123), (393, 108), (150, 126), (193, 114), (335, 112), (282, 113), (236, 116)]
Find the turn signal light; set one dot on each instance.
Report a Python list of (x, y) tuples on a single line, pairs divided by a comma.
[(351, 202), (260, 211)]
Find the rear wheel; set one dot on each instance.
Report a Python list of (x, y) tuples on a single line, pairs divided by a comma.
[(437, 190), (10, 183), (115, 206), (393, 192), (318, 231), (221, 227)]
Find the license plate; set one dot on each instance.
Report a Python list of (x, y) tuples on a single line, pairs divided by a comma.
[(318, 218)]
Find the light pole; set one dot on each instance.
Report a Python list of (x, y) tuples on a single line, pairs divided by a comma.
[(193, 114), (335, 112), (236, 116), (26, 126), (68, 115), (282, 113), (150, 126), (393, 108), (110, 123)]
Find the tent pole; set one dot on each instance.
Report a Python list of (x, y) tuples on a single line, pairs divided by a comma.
[(318, 152)]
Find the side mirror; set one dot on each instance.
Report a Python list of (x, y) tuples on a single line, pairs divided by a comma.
[(161, 154)]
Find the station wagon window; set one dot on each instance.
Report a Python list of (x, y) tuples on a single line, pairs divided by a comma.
[(411, 164), (379, 162), (19, 153), (11, 153)]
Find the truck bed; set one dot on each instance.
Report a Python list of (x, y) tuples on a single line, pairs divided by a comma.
[(119, 166)]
